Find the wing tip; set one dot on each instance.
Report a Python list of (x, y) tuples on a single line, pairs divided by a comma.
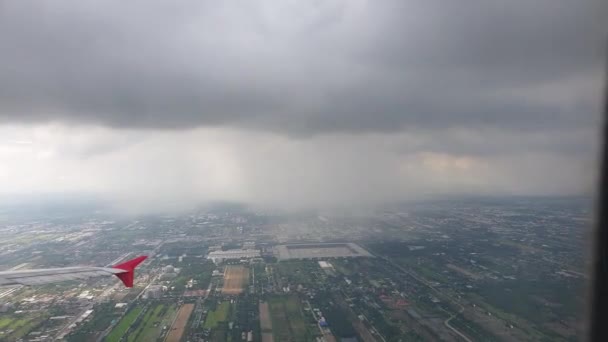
[(129, 268)]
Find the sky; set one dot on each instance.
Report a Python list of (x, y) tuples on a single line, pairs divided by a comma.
[(299, 104)]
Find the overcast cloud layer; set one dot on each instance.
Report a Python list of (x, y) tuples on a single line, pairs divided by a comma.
[(299, 104)]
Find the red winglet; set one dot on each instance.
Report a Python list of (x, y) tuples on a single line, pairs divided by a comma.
[(129, 266)]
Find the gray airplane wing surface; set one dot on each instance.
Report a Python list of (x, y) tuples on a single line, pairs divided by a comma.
[(53, 275), (124, 271)]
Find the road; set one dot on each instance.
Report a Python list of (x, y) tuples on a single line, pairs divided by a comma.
[(327, 336), (441, 293), (447, 324), (68, 327)]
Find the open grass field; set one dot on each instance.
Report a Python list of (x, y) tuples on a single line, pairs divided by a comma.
[(265, 320), (288, 323), (236, 277), (220, 314), (146, 322), (179, 325), (151, 325), (121, 328), (8, 322), (267, 337), (14, 328)]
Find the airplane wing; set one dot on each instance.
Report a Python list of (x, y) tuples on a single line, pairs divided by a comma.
[(124, 271)]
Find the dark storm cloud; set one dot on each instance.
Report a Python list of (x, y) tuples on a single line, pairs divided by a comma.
[(301, 68)]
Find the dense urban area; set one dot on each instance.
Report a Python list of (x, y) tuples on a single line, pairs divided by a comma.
[(509, 269)]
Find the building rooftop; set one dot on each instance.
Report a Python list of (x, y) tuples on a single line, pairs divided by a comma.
[(234, 254), (320, 250)]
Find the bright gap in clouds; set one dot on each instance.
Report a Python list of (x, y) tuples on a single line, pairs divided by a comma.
[(158, 170)]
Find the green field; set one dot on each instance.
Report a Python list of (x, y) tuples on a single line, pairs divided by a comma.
[(146, 329), (19, 326), (125, 323), (220, 314), (287, 319), (5, 321), (169, 315)]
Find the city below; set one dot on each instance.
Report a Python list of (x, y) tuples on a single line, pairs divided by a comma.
[(474, 269)]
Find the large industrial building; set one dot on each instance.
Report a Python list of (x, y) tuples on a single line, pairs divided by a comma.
[(320, 250), (233, 254)]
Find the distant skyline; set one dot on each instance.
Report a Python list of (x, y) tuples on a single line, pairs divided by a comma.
[(297, 105)]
